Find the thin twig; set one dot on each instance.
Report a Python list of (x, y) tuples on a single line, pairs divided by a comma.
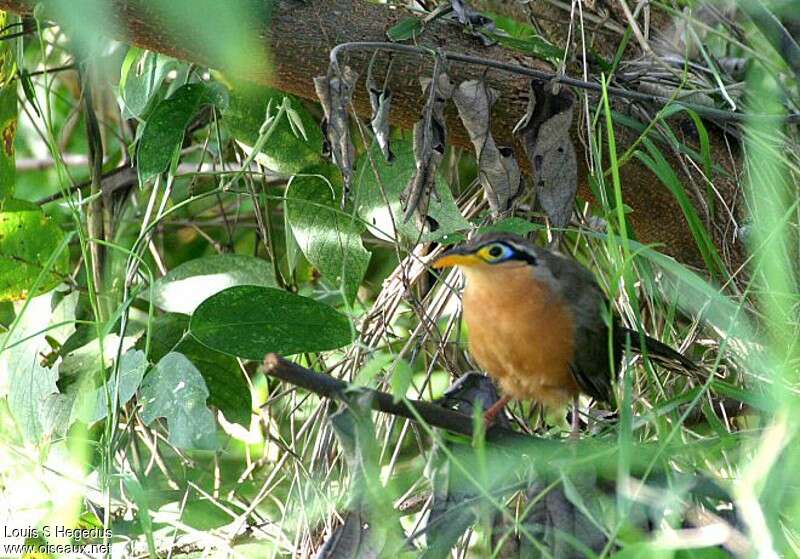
[(709, 112)]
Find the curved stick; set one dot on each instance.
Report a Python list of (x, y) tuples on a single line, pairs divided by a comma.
[(330, 387)]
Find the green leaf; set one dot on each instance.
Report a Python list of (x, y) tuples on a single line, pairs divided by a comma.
[(8, 131), (756, 400), (643, 551), (328, 236), (140, 79), (132, 367), (30, 385), (372, 368), (520, 36), (28, 239), (515, 34), (189, 284), (401, 379), (532, 46), (702, 553), (139, 496), (28, 90), (394, 177), (250, 322), (175, 390), (88, 356), (405, 29), (9, 49), (401, 373), (285, 151), (515, 225), (227, 386), (163, 132)]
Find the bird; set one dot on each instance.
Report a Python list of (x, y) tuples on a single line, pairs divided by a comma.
[(536, 324)]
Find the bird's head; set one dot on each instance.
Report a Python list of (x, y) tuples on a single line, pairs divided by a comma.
[(488, 251)]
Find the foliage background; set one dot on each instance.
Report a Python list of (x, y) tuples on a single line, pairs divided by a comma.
[(164, 226)]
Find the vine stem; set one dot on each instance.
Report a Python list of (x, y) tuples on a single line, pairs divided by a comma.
[(709, 112)]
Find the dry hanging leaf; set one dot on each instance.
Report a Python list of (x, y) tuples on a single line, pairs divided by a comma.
[(430, 139), (334, 91), (381, 101), (544, 133), (497, 168)]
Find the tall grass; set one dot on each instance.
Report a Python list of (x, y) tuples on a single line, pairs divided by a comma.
[(668, 474)]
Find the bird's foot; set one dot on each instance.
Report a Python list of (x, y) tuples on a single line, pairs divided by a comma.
[(575, 430), (496, 408)]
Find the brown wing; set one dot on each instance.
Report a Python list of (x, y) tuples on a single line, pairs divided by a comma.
[(592, 364)]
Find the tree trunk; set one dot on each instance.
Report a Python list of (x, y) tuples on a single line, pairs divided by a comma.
[(297, 37)]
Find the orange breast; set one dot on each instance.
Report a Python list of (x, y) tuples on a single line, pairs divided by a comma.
[(521, 334)]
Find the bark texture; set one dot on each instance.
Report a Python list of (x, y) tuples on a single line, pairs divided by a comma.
[(291, 41)]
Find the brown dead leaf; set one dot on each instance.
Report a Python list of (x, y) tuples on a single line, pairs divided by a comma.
[(544, 133), (380, 99), (430, 139), (334, 91), (497, 168)]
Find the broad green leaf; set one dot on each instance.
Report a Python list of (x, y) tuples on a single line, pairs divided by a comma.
[(87, 357), (132, 367), (175, 390), (30, 386), (228, 389), (329, 237), (142, 73), (187, 285), (405, 29), (163, 132), (27, 241), (394, 177), (250, 322), (285, 151)]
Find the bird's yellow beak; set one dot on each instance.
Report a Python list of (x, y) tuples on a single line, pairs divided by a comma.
[(456, 257)]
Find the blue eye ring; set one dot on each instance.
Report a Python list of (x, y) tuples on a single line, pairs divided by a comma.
[(495, 253)]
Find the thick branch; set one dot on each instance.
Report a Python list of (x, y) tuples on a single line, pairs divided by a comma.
[(330, 387), (285, 43)]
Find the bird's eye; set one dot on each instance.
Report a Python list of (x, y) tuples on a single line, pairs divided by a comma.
[(496, 253)]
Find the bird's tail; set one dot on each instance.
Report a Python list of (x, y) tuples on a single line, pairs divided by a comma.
[(659, 352)]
